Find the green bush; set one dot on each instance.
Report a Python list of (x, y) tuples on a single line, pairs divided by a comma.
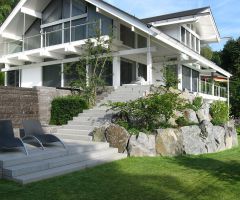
[(147, 114), (196, 104), (182, 121), (65, 108), (1, 78), (220, 112)]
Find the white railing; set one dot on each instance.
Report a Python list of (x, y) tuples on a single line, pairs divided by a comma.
[(50, 38), (208, 88)]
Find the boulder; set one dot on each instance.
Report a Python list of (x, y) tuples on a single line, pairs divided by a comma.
[(192, 141), (142, 145), (231, 138), (219, 136), (208, 136), (117, 137), (191, 116), (186, 95), (168, 142), (99, 134), (203, 113)]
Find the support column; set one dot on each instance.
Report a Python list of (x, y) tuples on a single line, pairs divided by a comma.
[(213, 84), (228, 92), (149, 62), (62, 75), (116, 71), (5, 79)]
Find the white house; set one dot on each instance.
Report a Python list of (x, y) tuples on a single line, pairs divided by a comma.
[(40, 37)]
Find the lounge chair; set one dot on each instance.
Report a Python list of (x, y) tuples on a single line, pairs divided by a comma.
[(33, 130), (7, 138)]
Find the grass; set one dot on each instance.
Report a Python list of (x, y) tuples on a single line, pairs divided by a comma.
[(206, 177)]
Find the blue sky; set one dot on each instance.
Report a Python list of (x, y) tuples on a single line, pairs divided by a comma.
[(226, 12)]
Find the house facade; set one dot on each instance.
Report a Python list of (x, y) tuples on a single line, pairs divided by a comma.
[(40, 38)]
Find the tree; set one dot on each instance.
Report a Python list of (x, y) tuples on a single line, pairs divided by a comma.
[(207, 52), (92, 65), (231, 62), (6, 7)]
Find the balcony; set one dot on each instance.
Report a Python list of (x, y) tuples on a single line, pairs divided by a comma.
[(51, 38), (212, 91)]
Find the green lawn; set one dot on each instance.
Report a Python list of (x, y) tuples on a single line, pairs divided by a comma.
[(215, 176)]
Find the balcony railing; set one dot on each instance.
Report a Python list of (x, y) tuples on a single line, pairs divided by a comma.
[(50, 38), (208, 88)]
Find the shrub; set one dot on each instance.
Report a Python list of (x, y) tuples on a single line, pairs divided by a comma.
[(182, 121), (196, 104), (148, 113), (220, 112), (65, 108), (1, 78)]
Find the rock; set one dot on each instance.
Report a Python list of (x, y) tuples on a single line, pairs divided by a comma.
[(168, 142), (172, 121), (231, 138), (142, 145), (191, 116), (117, 137), (208, 136), (219, 136), (186, 95), (203, 113), (99, 134), (192, 142)]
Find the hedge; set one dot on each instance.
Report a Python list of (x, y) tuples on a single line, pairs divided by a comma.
[(65, 108), (220, 112)]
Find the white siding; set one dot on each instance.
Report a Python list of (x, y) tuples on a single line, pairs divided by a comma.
[(32, 77)]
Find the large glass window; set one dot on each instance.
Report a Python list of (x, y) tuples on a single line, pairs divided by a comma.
[(78, 7), (195, 80), (53, 12), (183, 35), (70, 74), (79, 29), (188, 38), (53, 35), (142, 71), (51, 76), (142, 42), (186, 78), (13, 78), (127, 36)]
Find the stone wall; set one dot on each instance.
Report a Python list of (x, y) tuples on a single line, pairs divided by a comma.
[(45, 97), (18, 104)]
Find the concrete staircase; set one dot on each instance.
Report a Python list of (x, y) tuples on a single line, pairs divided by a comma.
[(81, 127), (81, 152), (55, 161)]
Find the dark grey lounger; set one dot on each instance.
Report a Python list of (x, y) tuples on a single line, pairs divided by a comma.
[(33, 130), (7, 138)]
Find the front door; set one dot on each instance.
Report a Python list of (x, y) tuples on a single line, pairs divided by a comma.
[(128, 72)]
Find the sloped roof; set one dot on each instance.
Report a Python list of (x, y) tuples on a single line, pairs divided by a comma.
[(175, 15)]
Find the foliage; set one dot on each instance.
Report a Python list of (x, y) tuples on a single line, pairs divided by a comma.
[(182, 121), (92, 66), (147, 114), (170, 77), (238, 129), (231, 62), (65, 108), (6, 7), (220, 112), (207, 52), (196, 104), (1, 79)]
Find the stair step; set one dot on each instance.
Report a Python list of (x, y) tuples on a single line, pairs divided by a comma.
[(78, 127), (73, 146), (73, 131), (33, 167), (74, 137), (67, 169), (85, 123)]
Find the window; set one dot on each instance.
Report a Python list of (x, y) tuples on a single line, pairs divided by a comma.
[(197, 45), (183, 35), (78, 8), (53, 12), (13, 78), (186, 78), (195, 80), (127, 36), (53, 35), (142, 41), (194, 43), (70, 74), (142, 71), (51, 76), (188, 38)]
